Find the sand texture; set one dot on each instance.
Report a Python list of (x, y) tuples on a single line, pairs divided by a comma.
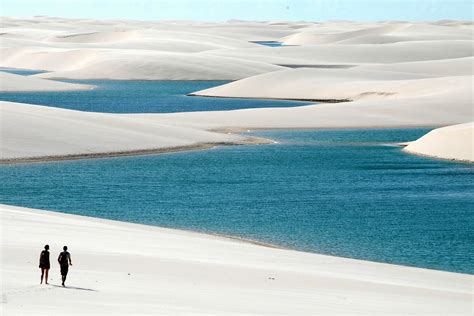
[(136, 269)]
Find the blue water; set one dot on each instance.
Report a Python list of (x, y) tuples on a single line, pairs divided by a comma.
[(269, 43), (141, 97), (344, 193), (23, 72)]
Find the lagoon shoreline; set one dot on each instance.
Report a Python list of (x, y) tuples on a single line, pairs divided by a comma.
[(105, 260)]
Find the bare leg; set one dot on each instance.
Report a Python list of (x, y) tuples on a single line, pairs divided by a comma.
[(42, 273), (46, 276), (64, 279)]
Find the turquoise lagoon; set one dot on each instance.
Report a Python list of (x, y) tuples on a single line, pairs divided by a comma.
[(114, 96), (347, 193)]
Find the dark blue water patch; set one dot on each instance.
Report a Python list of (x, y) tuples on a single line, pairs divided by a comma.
[(141, 97), (319, 191), (269, 43), (23, 72)]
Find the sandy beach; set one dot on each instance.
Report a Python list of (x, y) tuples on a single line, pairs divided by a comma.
[(137, 269), (389, 74)]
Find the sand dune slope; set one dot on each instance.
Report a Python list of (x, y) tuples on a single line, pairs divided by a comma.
[(58, 132), (357, 54), (423, 78), (136, 269), (451, 142), (130, 64), (340, 84), (438, 68), (379, 34), (184, 49), (11, 82), (451, 107), (148, 65)]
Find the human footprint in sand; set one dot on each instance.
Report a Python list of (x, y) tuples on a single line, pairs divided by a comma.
[(64, 260), (44, 264)]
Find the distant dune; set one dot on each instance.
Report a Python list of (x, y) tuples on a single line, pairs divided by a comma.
[(11, 82), (390, 74), (384, 34)]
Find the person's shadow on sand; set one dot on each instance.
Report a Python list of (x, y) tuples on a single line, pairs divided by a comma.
[(73, 288)]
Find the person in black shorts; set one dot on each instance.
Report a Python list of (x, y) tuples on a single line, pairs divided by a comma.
[(64, 260), (44, 264)]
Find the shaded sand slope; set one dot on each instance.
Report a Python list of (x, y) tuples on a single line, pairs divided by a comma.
[(39, 131), (142, 269), (451, 142), (12, 82)]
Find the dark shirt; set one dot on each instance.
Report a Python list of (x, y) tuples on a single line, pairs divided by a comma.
[(64, 258), (44, 257)]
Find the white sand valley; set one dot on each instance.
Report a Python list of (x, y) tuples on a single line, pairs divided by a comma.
[(121, 268), (450, 142)]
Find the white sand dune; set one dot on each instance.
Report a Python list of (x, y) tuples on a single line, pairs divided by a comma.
[(136, 269), (384, 34), (340, 84), (49, 60), (57, 132), (131, 64), (436, 110), (451, 142), (437, 68), (425, 80), (11, 82), (358, 54), (95, 37), (184, 50), (149, 65), (122, 50)]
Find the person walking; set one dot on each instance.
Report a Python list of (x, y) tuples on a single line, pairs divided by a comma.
[(44, 264), (64, 260)]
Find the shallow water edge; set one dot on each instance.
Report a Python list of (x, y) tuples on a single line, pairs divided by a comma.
[(140, 152)]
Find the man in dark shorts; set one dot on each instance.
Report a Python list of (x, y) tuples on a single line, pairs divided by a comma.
[(64, 260), (44, 264)]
